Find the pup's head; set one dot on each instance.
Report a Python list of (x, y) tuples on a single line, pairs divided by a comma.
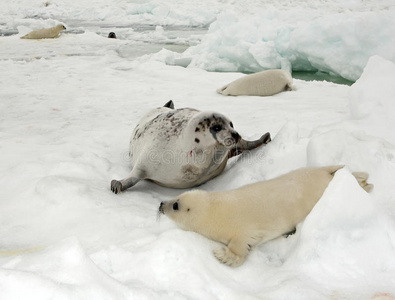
[(212, 128), (61, 27), (187, 210)]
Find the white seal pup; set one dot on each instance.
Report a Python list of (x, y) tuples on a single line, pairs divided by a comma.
[(182, 148), (265, 83), (45, 33), (253, 214)]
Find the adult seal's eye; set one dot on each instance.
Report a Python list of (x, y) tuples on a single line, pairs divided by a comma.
[(216, 128), (175, 206)]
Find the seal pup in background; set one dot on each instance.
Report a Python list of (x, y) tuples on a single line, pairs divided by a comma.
[(112, 35), (182, 148), (46, 33), (253, 214), (265, 83)]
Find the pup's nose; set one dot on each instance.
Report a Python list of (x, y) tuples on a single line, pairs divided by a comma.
[(235, 136)]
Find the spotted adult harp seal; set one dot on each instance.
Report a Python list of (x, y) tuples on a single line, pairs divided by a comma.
[(182, 148), (243, 218)]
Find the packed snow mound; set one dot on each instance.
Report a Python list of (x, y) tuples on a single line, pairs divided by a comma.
[(63, 269), (345, 230), (356, 142), (374, 92), (372, 98), (274, 39)]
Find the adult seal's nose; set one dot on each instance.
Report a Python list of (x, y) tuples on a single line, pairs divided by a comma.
[(161, 207), (235, 136)]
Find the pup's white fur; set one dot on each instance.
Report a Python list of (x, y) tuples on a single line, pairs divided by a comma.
[(46, 33), (265, 83), (253, 214)]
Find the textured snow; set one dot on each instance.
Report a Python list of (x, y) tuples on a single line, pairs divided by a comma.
[(68, 107)]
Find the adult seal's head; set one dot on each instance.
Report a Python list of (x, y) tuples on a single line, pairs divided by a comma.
[(182, 148), (254, 214), (112, 35), (212, 127)]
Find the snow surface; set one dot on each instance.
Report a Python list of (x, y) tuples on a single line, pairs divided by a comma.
[(68, 107)]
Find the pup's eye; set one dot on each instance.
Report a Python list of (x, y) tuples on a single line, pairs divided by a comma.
[(231, 124), (216, 128), (175, 206)]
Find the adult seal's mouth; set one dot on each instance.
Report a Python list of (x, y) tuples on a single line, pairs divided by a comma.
[(230, 142)]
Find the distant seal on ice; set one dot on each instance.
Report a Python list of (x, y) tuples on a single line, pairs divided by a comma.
[(112, 35), (46, 33), (265, 83), (182, 148), (253, 214)]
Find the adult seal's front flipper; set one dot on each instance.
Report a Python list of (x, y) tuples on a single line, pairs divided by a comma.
[(243, 145)]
